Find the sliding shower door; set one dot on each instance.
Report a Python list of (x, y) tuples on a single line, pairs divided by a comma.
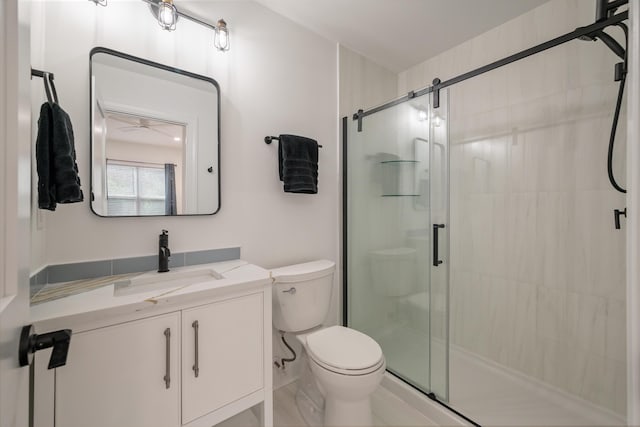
[(397, 234)]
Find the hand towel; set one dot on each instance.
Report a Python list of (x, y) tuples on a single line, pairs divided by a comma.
[(46, 196), (58, 178), (298, 164), (67, 179)]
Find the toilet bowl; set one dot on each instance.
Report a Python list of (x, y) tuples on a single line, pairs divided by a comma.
[(346, 365)]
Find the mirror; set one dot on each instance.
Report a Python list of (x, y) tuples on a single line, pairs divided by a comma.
[(155, 140)]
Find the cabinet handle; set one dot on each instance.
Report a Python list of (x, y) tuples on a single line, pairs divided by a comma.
[(167, 375), (196, 368)]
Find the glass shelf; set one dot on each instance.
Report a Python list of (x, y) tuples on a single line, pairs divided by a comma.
[(398, 177), (399, 161)]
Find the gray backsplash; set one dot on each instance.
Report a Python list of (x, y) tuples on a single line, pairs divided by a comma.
[(90, 269)]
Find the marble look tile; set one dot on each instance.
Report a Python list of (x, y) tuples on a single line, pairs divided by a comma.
[(522, 237), (576, 369), (604, 382), (481, 232), (551, 315), (557, 236), (499, 320), (522, 352), (551, 365), (586, 322), (531, 203), (600, 248), (500, 257), (616, 330)]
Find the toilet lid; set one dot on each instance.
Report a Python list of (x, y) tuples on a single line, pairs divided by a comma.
[(344, 348), (303, 272)]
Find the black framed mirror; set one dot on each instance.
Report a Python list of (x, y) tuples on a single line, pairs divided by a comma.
[(155, 138)]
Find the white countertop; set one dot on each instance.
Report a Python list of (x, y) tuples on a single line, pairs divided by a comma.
[(102, 303)]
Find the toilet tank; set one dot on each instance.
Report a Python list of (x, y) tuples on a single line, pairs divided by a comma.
[(302, 295), (393, 271)]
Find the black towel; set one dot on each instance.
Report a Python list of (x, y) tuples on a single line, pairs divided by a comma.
[(46, 195), (298, 164), (58, 180)]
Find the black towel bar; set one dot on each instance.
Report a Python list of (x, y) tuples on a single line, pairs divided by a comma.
[(268, 139)]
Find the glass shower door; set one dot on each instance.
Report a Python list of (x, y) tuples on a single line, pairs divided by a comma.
[(397, 189), (439, 269)]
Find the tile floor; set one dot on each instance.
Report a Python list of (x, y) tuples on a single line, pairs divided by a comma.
[(388, 410)]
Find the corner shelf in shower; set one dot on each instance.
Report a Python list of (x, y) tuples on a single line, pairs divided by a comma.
[(398, 178), (399, 161)]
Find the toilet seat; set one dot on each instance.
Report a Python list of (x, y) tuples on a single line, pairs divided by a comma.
[(344, 351), (348, 372)]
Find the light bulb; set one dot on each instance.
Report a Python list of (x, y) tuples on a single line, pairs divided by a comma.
[(167, 15), (221, 39), (422, 115), (437, 120)]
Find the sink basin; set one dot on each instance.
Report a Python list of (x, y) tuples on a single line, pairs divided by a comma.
[(163, 281)]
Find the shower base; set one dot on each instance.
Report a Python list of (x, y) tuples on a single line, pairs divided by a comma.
[(488, 393)]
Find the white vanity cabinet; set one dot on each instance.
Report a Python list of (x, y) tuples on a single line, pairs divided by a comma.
[(189, 360), (122, 375), (222, 354)]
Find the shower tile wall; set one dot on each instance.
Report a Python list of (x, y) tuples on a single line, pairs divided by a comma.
[(364, 83), (537, 270)]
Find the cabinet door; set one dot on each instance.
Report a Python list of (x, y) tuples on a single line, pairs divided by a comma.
[(229, 353), (115, 376)]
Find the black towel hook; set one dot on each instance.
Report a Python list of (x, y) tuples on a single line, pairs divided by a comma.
[(53, 88), (49, 86)]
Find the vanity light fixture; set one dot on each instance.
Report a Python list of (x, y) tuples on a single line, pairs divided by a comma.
[(167, 15), (99, 2)]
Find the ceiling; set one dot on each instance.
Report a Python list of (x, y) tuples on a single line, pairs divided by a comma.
[(398, 34), (127, 128)]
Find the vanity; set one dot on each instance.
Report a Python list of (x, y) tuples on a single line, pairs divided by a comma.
[(191, 347)]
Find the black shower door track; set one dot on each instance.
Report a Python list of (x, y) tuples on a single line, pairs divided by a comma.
[(438, 85)]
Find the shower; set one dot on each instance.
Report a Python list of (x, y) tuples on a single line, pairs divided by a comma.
[(470, 252)]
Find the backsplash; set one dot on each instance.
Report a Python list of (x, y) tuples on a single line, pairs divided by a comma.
[(87, 270)]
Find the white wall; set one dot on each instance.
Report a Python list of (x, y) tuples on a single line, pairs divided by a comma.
[(277, 78), (363, 83), (538, 272)]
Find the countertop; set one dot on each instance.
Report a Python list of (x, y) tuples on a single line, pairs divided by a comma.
[(84, 301)]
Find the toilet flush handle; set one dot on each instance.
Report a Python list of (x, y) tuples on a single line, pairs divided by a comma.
[(291, 291)]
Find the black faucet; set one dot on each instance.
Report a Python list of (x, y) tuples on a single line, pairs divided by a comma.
[(163, 252)]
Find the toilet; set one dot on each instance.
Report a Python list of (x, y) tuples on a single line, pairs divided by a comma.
[(346, 364), (393, 271)]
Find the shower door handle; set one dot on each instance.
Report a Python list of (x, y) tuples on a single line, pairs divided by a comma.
[(436, 261)]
